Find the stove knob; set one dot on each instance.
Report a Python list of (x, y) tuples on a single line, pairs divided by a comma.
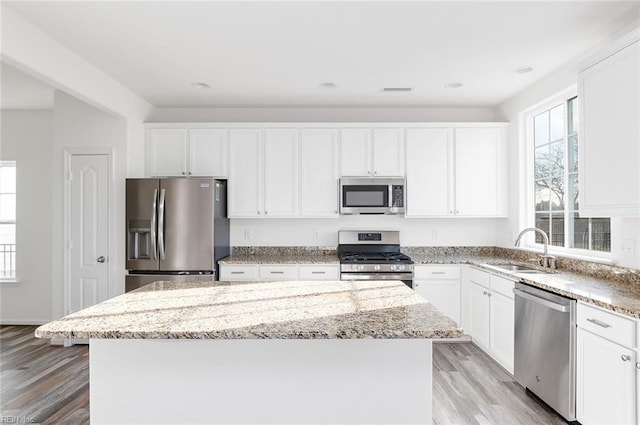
[(400, 266), (376, 267), (393, 267), (360, 267)]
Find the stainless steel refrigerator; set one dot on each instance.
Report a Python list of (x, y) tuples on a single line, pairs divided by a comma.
[(177, 229)]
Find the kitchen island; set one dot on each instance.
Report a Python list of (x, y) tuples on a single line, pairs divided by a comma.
[(332, 352)]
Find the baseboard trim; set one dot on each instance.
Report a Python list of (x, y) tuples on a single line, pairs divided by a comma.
[(32, 322)]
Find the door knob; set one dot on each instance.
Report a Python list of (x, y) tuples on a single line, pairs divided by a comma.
[(101, 259)]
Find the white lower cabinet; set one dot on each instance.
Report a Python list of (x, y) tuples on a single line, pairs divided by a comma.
[(318, 272), (275, 272), (440, 285), (238, 272), (606, 379), (278, 272), (491, 315)]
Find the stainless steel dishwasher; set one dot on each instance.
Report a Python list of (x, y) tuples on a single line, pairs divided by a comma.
[(545, 347)]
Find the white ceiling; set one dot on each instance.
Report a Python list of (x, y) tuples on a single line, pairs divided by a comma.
[(21, 91), (277, 54)]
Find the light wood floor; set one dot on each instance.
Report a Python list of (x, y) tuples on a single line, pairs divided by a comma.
[(47, 384)]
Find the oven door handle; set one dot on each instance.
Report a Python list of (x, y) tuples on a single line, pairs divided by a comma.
[(379, 276)]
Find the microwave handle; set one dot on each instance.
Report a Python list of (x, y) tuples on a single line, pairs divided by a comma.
[(390, 189)]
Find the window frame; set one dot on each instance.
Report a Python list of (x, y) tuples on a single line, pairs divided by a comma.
[(527, 217), (14, 277)]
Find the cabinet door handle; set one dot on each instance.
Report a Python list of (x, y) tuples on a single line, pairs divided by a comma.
[(375, 173), (318, 272), (484, 292), (183, 173), (599, 323), (276, 272), (625, 357), (258, 212), (237, 272), (637, 365), (437, 272), (488, 294)]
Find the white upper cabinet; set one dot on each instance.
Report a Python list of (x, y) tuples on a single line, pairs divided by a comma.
[(293, 170), (208, 152), (281, 172), (245, 187), (429, 172), (609, 137), (187, 152), (355, 152), (319, 172), (167, 152), (372, 153), (456, 172), (479, 171), (263, 174), (388, 152)]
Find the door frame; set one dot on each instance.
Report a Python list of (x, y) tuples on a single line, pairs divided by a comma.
[(69, 153)]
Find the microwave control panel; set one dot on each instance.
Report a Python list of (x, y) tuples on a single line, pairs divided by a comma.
[(397, 196)]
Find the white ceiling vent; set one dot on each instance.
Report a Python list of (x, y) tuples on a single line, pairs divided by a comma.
[(396, 89)]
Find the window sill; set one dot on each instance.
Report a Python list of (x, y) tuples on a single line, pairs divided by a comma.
[(604, 258), (9, 280)]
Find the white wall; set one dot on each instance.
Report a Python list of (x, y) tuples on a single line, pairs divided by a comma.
[(432, 114), (26, 139), (79, 125), (324, 232)]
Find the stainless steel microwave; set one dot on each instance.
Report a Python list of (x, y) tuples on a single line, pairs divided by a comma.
[(372, 195)]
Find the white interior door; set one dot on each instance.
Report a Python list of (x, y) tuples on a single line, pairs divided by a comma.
[(88, 231)]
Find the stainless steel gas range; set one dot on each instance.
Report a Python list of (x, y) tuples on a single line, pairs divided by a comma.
[(373, 255)]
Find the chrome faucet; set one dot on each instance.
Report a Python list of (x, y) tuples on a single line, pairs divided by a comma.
[(546, 260)]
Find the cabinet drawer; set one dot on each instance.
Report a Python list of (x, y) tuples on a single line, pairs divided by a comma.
[(239, 272), (478, 276), (612, 326), (427, 272), (318, 273), (279, 272), (502, 285)]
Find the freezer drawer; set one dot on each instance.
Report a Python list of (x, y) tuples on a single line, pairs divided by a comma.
[(135, 281)]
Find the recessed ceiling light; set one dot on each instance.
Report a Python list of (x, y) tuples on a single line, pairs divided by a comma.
[(454, 85), (396, 89), (523, 69), (200, 86), (328, 85)]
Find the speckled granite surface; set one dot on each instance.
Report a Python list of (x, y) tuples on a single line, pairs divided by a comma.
[(274, 310), (610, 287), (282, 255)]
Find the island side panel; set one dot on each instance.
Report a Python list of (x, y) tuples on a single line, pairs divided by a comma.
[(333, 381)]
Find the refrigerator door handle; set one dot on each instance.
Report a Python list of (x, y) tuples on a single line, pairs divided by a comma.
[(161, 224), (154, 213)]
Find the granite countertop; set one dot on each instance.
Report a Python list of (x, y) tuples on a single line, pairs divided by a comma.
[(281, 259), (258, 310), (619, 292)]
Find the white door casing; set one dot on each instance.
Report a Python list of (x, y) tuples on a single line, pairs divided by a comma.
[(87, 219)]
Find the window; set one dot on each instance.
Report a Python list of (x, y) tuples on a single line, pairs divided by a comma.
[(7, 219), (556, 176)]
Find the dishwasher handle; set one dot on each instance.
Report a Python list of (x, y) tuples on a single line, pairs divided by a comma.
[(549, 304)]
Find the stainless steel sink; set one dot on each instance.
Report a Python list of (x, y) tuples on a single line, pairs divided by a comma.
[(517, 268)]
